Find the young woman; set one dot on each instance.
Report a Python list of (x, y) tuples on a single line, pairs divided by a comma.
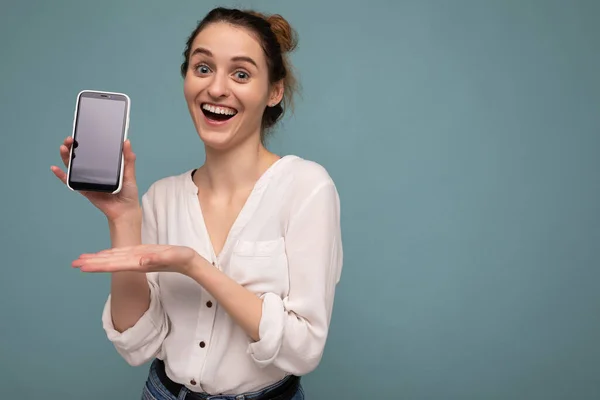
[(224, 276)]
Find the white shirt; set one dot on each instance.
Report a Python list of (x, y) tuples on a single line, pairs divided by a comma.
[(285, 246)]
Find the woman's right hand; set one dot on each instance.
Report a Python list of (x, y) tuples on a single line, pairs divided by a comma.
[(116, 207)]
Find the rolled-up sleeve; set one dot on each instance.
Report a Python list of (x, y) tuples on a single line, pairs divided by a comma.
[(293, 330), (141, 342)]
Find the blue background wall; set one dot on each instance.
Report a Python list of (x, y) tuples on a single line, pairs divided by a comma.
[(463, 136)]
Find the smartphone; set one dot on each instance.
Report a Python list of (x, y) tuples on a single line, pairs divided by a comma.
[(100, 126)]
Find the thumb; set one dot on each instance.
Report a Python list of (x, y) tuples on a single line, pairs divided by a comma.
[(149, 260), (129, 157)]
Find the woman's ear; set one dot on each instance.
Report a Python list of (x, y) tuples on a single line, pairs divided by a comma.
[(276, 95)]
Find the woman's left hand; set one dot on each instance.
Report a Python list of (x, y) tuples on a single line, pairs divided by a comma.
[(143, 258)]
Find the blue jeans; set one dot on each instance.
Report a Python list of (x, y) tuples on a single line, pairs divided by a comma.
[(155, 390)]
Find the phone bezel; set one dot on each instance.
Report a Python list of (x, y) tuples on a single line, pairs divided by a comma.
[(108, 96)]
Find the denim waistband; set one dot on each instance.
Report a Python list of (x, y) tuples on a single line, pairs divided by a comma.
[(160, 387)]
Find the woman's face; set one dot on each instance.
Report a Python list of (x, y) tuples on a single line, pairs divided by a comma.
[(227, 85)]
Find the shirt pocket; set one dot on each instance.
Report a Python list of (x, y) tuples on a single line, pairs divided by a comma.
[(260, 266)]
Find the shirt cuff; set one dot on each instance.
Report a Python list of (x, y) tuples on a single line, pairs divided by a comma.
[(139, 343), (270, 331)]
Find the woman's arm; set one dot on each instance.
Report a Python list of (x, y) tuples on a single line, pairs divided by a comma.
[(241, 304), (133, 317), (130, 293)]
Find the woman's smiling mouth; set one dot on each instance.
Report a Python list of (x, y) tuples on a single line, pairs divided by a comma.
[(217, 115)]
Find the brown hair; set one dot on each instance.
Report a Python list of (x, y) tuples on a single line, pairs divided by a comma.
[(277, 38)]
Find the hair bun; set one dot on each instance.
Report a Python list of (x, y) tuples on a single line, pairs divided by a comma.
[(286, 35)]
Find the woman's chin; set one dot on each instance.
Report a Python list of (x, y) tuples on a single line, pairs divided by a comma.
[(216, 140), (224, 139), (215, 135)]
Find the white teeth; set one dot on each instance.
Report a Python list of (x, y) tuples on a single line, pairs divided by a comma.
[(219, 110)]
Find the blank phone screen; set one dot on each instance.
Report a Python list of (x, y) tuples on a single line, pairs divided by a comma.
[(99, 133)]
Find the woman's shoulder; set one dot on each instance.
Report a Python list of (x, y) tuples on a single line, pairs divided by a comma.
[(302, 180), (308, 173)]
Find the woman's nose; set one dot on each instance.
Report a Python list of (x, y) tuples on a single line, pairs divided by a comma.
[(218, 87)]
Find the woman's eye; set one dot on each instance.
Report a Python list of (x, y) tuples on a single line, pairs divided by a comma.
[(202, 69), (241, 75)]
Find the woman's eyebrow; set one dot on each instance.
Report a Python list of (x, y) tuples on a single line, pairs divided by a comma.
[(208, 53)]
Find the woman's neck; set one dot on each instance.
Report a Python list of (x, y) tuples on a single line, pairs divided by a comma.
[(227, 172)]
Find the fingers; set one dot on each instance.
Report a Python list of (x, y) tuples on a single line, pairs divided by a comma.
[(116, 263), (120, 254), (149, 259), (140, 249), (59, 173), (129, 167), (99, 261), (108, 254), (65, 150), (142, 258), (107, 264)]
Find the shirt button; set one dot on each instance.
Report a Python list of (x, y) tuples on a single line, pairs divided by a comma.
[(202, 344), (213, 263), (193, 382), (209, 304)]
